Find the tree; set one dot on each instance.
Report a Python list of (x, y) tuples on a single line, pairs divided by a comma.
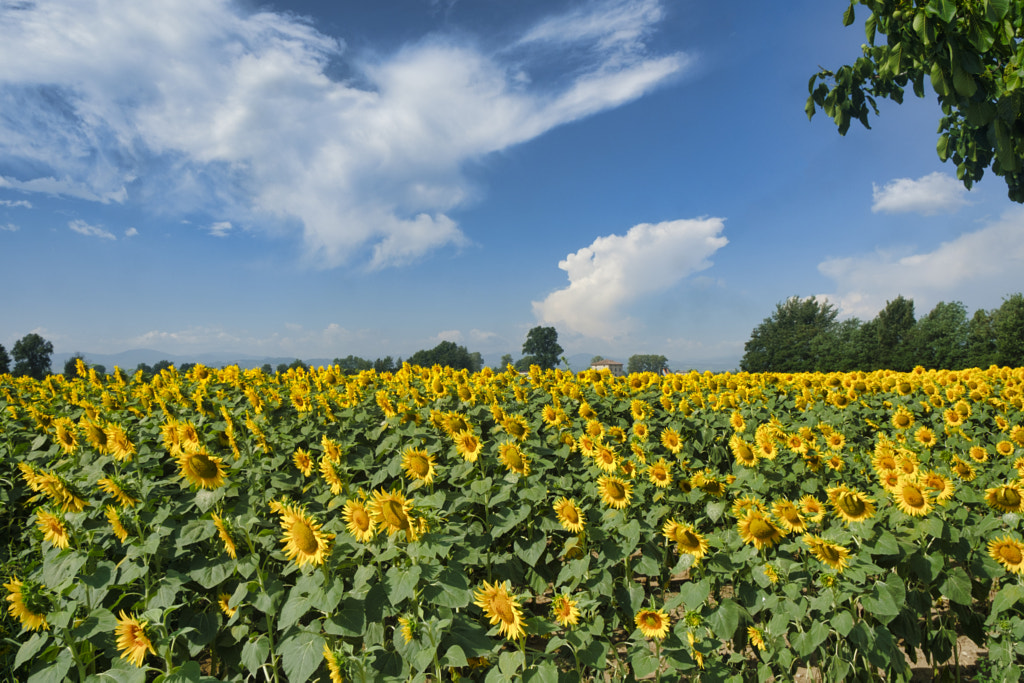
[(542, 344), (596, 359), (386, 364), (505, 361), (100, 369), (940, 340), (1008, 324), (71, 366), (32, 356), (895, 328), (969, 53), (267, 369), (447, 354), (353, 365), (145, 368), (5, 361), (162, 365), (981, 340), (786, 340), (646, 363)]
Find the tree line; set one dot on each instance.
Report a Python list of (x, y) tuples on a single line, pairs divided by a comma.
[(804, 335)]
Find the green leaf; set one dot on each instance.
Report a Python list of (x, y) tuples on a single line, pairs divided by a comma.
[(644, 663), (99, 621), (939, 83), (957, 586), (211, 573), (807, 642), (963, 82), (205, 626), (725, 619), (301, 655), (995, 10), (848, 15), (30, 647), (843, 623), (1004, 146), (255, 652), (545, 672), (943, 9), (402, 583), (56, 672), (886, 599), (694, 594), (1008, 596), (531, 549), (187, 673), (349, 619), (450, 589)]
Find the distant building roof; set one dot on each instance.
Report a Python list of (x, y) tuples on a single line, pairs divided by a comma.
[(605, 362)]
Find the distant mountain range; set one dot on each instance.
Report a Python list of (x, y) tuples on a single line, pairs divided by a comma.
[(129, 360)]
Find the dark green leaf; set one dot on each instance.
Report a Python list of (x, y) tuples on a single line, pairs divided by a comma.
[(301, 655), (957, 586), (254, 653)]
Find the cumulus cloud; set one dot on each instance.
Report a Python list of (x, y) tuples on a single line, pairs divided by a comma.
[(213, 108), (131, 232), (83, 228), (977, 268), (618, 270), (929, 195)]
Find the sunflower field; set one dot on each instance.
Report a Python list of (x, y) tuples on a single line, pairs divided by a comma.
[(430, 524)]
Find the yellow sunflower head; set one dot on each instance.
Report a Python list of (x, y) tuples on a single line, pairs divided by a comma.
[(468, 445), (850, 505), (132, 640), (304, 542), (28, 603), (758, 529), (201, 469), (564, 610), (418, 464), (358, 521), (615, 492), (514, 459), (1007, 498), (1008, 552), (390, 511), (653, 623), (913, 498), (569, 515), (660, 473), (832, 554), (501, 608)]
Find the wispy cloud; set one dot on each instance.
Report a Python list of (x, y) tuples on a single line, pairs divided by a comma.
[(131, 232), (618, 270), (195, 102), (220, 228), (20, 203), (928, 195), (83, 228), (977, 268), (10, 227)]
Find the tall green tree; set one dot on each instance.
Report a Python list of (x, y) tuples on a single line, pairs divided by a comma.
[(71, 366), (968, 51), (448, 354), (940, 340), (506, 360), (353, 365), (895, 329), (646, 363), (542, 344), (32, 356), (5, 361), (1008, 325), (791, 339)]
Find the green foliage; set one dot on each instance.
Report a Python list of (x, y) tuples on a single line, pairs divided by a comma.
[(790, 340), (5, 361), (968, 52), (450, 355), (542, 344), (32, 356), (646, 363)]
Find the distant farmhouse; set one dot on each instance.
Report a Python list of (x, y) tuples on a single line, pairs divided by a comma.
[(611, 366)]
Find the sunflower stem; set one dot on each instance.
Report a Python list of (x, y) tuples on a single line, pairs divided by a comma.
[(82, 674)]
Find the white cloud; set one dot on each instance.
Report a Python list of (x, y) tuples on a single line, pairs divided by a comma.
[(977, 268), (454, 336), (618, 270), (16, 203), (929, 195), (10, 227), (131, 232), (198, 104), (220, 228), (83, 228)]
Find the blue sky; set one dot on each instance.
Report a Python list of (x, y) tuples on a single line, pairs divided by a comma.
[(317, 179)]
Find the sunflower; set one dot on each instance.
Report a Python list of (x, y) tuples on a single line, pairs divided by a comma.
[(358, 521), (1007, 551), (569, 515), (115, 487), (835, 441), (594, 428), (514, 458), (132, 640), (670, 440), (304, 542), (94, 434), (1017, 434), (832, 554), (925, 437), (66, 436), (114, 517), (687, 539), (770, 573), (605, 457), (468, 445), (201, 469), (407, 627), (586, 412), (765, 448), (303, 461), (224, 531), (390, 510), (963, 469), (744, 503), (940, 484), (641, 431), (53, 528), (615, 492), (978, 453), (952, 417), (335, 663), (224, 602), (653, 623), (118, 444), (331, 448), (418, 464), (741, 450), (736, 421), (902, 418), (660, 473), (890, 480), (758, 529), (501, 608), (564, 610), (756, 637), (1005, 448), (330, 471), (1008, 497), (787, 512), (516, 426), (551, 415), (913, 498), (850, 505), (188, 437), (27, 604)]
